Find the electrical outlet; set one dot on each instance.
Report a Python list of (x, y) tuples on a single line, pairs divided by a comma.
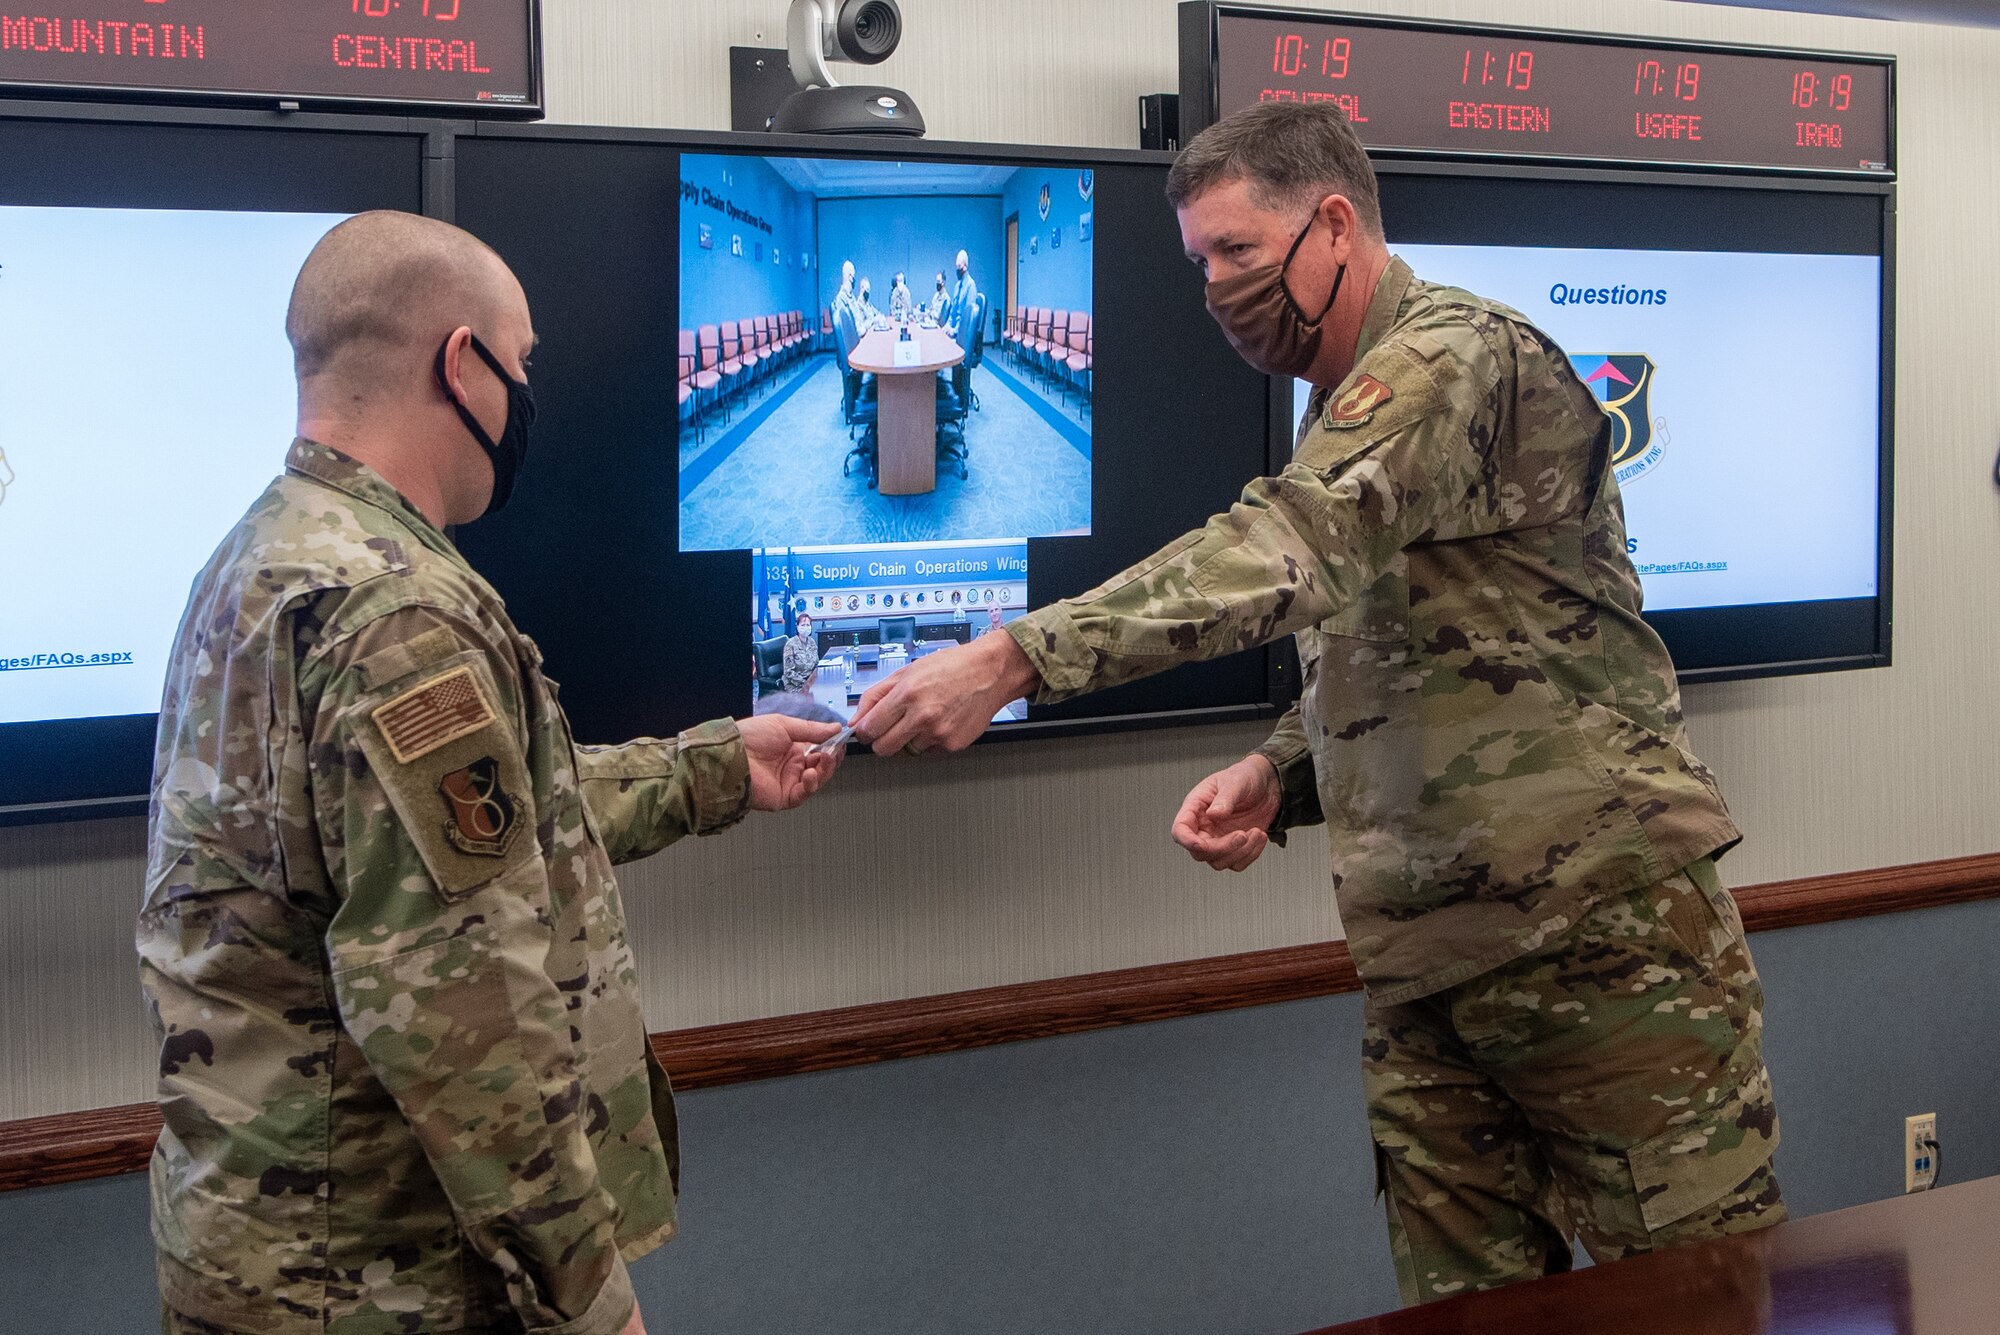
[(1919, 1152)]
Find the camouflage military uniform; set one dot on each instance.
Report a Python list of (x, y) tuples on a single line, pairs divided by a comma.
[(801, 660), (1493, 739), (403, 1068)]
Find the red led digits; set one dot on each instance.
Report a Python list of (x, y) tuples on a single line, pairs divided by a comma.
[(1555, 94), (1519, 73), (1811, 93), (1291, 57), (1288, 55), (1649, 79)]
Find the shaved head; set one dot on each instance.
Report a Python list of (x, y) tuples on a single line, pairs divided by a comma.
[(382, 290), (386, 304)]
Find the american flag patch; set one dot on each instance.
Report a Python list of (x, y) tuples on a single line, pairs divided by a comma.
[(443, 709)]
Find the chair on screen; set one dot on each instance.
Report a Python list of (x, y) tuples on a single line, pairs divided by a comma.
[(956, 399), (770, 664), (897, 630), (1076, 358), (726, 369), (857, 399)]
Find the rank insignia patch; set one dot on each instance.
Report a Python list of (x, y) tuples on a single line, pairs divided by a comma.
[(443, 709), (1358, 403), (484, 817)]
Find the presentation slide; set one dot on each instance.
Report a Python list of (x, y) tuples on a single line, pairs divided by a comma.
[(830, 622), (845, 371), (1744, 392), (146, 398)]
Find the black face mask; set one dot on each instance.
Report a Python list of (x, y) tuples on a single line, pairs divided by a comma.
[(507, 453)]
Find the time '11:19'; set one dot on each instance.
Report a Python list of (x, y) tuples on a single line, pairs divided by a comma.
[(1520, 69)]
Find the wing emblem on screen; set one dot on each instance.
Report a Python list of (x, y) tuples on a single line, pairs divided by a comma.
[(6, 477), (1623, 384)]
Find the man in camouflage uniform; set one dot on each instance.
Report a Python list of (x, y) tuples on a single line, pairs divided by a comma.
[(1563, 1022), (403, 1068)]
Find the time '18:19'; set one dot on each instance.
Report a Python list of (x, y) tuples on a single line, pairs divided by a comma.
[(444, 11), (1289, 56), (1808, 89)]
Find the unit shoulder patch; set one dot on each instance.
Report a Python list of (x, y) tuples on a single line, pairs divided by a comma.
[(1357, 403), (482, 817), (443, 709)]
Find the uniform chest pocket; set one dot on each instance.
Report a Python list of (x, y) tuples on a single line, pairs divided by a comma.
[(1381, 615)]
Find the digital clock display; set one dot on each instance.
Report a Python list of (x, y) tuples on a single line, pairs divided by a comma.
[(469, 54), (1463, 90)]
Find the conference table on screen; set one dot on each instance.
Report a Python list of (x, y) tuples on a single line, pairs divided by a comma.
[(1912, 1265), (905, 403)]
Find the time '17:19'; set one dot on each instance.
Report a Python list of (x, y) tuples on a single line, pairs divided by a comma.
[(1650, 80), (1289, 56), (444, 11)]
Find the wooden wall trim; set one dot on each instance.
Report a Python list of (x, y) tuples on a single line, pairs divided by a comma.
[(104, 1142), (1866, 894)]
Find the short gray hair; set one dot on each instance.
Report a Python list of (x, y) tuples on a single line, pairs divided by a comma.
[(1293, 154)]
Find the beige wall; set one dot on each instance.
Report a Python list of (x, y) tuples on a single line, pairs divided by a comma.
[(1058, 852)]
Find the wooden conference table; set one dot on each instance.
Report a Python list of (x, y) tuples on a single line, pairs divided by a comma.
[(1927, 1264), (905, 404)]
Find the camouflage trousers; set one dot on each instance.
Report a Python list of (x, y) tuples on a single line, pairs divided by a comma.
[(1610, 1088)]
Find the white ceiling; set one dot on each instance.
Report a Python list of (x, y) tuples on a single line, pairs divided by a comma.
[(1970, 13), (834, 178)]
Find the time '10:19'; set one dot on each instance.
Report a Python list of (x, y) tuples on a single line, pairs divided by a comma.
[(1288, 56), (444, 11)]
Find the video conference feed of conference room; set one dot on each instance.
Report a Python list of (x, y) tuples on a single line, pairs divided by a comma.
[(208, 379), (1698, 358), (846, 382), (830, 622)]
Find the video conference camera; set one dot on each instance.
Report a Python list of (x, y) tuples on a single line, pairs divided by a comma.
[(859, 32)]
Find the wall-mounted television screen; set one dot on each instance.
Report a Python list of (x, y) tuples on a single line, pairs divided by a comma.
[(1737, 335), (143, 407), (146, 399), (916, 390), (1745, 403)]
